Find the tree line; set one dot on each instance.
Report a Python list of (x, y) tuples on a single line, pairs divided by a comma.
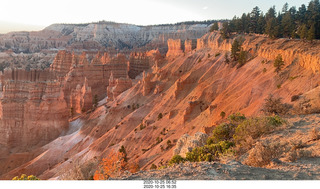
[(303, 23)]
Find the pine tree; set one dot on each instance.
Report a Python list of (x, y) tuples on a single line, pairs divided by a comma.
[(225, 31), (235, 49), (242, 57), (278, 63), (311, 34), (270, 22), (244, 23), (214, 27), (302, 32), (254, 17)]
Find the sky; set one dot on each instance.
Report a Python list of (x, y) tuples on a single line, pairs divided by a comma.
[(29, 15)]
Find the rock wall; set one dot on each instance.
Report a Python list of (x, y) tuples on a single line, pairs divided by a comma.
[(174, 47), (189, 45), (292, 51), (117, 86), (138, 62), (33, 110), (147, 84), (142, 61)]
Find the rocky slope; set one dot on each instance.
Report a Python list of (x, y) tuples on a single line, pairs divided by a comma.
[(189, 89)]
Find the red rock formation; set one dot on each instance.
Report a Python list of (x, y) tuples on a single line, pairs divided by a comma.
[(43, 99), (147, 84), (189, 45), (81, 98), (174, 47), (138, 63), (30, 101), (62, 63), (117, 86)]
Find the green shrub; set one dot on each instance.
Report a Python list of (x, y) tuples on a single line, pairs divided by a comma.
[(153, 166), (217, 54), (222, 132), (176, 159), (264, 70), (169, 143), (256, 127), (159, 140), (275, 106), (142, 126), (293, 78), (25, 177), (236, 118), (160, 116), (295, 97), (222, 114), (123, 150), (209, 152)]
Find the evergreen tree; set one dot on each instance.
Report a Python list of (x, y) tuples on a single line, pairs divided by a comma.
[(285, 8), (254, 18), (287, 24), (302, 31), (313, 16), (244, 23), (225, 31), (214, 27), (301, 14), (242, 57), (123, 150), (290, 22), (278, 63), (270, 22), (311, 34), (261, 24), (235, 49)]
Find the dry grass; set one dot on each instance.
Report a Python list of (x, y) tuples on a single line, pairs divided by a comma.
[(264, 152)]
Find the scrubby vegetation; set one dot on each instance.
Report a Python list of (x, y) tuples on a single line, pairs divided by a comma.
[(176, 159), (222, 114), (232, 138), (25, 177), (209, 152), (275, 106)]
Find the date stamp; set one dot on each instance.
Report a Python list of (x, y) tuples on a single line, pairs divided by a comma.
[(155, 184)]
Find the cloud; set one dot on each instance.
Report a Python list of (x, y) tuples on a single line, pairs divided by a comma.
[(205, 8)]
